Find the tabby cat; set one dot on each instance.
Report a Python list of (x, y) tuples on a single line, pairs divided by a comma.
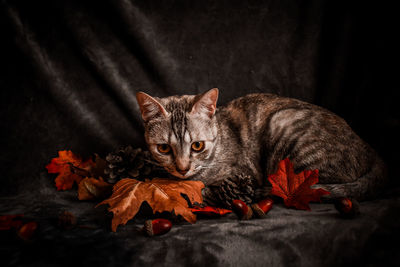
[(193, 139)]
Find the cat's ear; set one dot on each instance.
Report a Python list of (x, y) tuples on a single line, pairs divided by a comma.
[(150, 107), (206, 103)]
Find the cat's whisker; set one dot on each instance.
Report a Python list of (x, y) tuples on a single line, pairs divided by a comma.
[(204, 167)]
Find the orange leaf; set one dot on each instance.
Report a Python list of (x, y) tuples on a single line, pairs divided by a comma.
[(65, 180), (161, 194), (210, 211), (91, 188), (70, 169), (295, 189)]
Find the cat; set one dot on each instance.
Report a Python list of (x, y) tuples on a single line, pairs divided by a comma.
[(193, 139)]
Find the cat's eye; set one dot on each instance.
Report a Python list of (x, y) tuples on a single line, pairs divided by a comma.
[(198, 146), (164, 148)]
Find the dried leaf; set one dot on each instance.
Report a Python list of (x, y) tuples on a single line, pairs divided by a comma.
[(92, 188), (295, 189), (70, 168), (97, 169), (161, 194)]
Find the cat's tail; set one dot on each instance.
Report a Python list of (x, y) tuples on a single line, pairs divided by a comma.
[(368, 186)]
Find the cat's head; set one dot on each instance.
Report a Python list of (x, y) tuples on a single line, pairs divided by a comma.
[(180, 131)]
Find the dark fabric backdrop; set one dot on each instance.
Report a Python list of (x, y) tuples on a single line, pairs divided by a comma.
[(70, 69), (69, 73)]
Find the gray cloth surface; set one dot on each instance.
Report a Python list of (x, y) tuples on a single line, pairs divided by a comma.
[(285, 237)]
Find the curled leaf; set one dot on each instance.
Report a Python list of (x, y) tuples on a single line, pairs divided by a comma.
[(97, 169), (91, 188)]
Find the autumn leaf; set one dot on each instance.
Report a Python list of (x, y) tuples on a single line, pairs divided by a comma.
[(97, 169), (70, 168), (92, 188), (161, 194), (210, 211), (295, 189)]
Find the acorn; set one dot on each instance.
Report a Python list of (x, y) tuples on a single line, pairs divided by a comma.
[(66, 220), (27, 231), (243, 211), (348, 208), (157, 227), (263, 207)]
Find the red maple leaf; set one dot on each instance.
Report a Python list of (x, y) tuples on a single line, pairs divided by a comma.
[(68, 166), (295, 189)]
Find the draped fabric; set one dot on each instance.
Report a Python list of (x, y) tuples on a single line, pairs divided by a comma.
[(285, 237), (70, 71)]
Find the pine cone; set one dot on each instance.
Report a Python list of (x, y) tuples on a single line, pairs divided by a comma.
[(127, 162), (238, 187)]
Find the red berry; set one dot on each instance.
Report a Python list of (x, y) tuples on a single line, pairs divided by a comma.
[(263, 207), (243, 211), (347, 208), (157, 227)]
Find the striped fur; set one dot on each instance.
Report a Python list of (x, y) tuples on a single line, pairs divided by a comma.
[(252, 134)]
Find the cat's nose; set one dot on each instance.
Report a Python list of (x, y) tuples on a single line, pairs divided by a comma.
[(183, 172)]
